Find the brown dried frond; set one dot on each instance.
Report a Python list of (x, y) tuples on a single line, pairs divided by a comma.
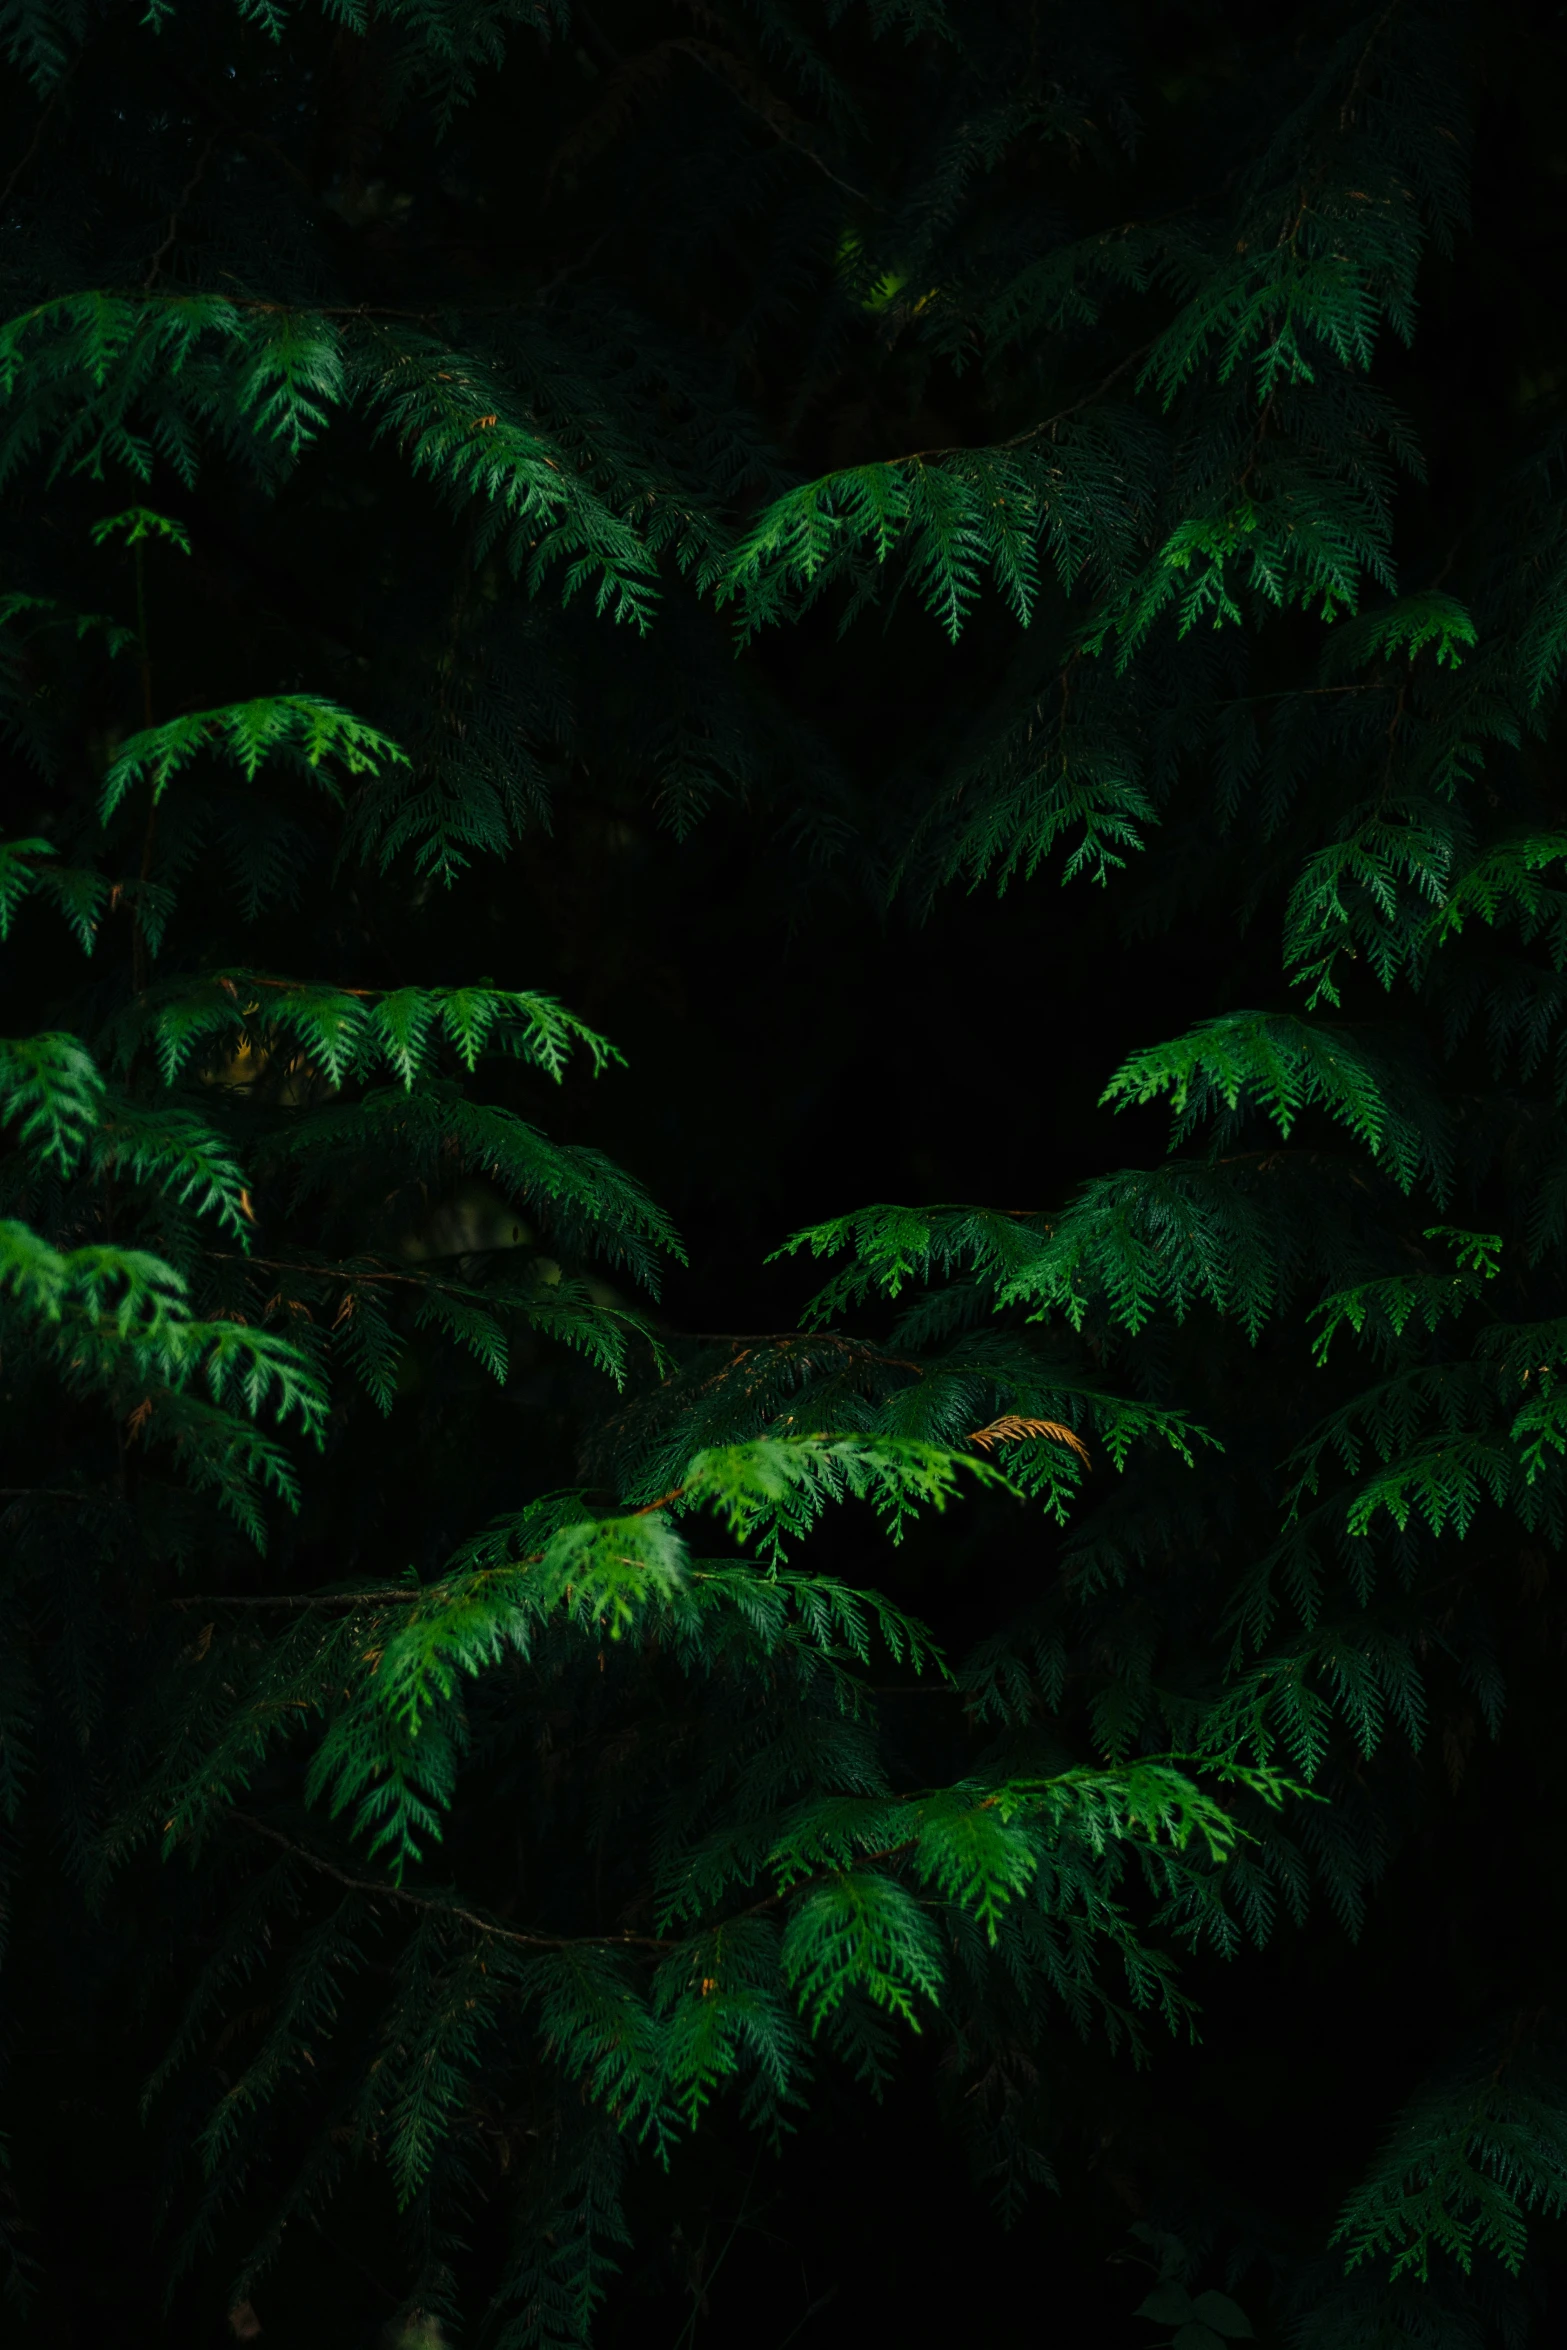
[(1011, 1427)]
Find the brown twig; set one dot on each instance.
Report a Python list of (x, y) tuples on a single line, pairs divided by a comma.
[(860, 1347), (294, 986), (232, 1256)]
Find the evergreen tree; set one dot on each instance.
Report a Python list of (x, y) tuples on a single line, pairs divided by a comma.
[(476, 1782)]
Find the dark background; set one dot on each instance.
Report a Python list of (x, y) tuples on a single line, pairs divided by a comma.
[(792, 1050)]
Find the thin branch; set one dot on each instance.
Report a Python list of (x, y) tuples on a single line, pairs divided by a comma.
[(625, 66), (288, 1599), (1009, 1429), (37, 139), (47, 1493), (254, 142), (693, 50), (915, 1689), (180, 202), (1347, 110), (1103, 385), (378, 1890), (254, 978), (763, 1337), (857, 1346), (820, 2302), (1017, 440), (1283, 693), (144, 661), (234, 1256)]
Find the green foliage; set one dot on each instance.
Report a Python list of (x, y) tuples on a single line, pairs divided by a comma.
[(80, 893), (1283, 1064), (50, 1085), (253, 1019), (1466, 2158), (1201, 2321), (950, 517), (309, 731)]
